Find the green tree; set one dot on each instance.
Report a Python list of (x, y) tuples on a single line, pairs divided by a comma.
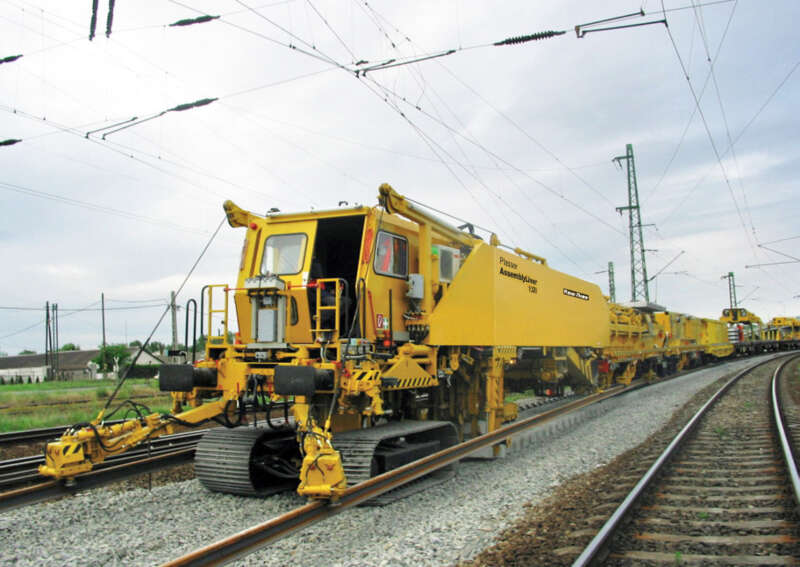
[(27, 351), (156, 347), (109, 353), (70, 346), (135, 343)]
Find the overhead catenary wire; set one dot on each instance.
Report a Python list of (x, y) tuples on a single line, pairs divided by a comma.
[(129, 152), (780, 240), (514, 210), (708, 132), (94, 207), (508, 164), (51, 18), (319, 54), (509, 41), (471, 171), (516, 169), (452, 172), (713, 74), (429, 140), (530, 137), (738, 137), (779, 253), (201, 102), (65, 310), (456, 154), (467, 167), (375, 16), (675, 152), (333, 31), (132, 152)]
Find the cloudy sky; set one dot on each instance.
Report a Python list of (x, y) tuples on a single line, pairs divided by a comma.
[(518, 139)]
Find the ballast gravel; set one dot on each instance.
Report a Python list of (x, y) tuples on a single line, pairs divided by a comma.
[(440, 526)]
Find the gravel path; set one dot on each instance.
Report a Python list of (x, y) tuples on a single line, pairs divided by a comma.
[(441, 526)]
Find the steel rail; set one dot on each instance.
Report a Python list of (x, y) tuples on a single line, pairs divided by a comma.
[(171, 450), (54, 488), (26, 469), (253, 538), (40, 434), (12, 468), (47, 433), (14, 471), (599, 542), (782, 430)]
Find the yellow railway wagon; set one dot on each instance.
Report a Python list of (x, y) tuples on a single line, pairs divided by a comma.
[(782, 329), (693, 335), (743, 326)]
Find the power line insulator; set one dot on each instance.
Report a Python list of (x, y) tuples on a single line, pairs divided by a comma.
[(10, 58), (532, 37), (195, 104), (192, 21)]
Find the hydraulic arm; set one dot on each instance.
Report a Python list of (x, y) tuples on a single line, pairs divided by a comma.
[(84, 446)]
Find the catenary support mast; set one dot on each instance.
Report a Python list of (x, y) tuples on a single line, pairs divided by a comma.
[(639, 287)]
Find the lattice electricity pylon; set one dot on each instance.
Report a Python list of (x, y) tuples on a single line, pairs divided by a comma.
[(731, 289), (639, 287), (612, 291), (612, 288)]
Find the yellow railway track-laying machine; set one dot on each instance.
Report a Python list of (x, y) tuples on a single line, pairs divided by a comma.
[(385, 334)]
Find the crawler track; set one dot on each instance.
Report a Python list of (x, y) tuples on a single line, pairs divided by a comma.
[(721, 493)]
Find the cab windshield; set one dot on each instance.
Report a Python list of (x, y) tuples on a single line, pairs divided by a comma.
[(284, 254)]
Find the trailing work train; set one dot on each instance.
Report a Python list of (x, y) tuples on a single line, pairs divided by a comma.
[(384, 334)]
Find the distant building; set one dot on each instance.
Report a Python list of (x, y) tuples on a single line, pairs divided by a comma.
[(72, 365)]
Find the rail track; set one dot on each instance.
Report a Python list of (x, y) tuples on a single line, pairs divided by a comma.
[(22, 485), (40, 434), (725, 491), (107, 547), (256, 537)]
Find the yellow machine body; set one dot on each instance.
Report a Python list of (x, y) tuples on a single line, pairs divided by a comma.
[(782, 329), (374, 317)]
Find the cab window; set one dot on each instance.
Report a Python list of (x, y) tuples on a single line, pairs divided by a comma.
[(284, 254), (391, 255)]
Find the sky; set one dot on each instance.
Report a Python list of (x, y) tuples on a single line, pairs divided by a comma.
[(517, 139)]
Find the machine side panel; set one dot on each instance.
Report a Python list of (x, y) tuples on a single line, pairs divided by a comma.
[(499, 298), (466, 314)]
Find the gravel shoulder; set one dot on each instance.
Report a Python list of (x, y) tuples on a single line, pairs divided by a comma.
[(555, 530), (441, 526)]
